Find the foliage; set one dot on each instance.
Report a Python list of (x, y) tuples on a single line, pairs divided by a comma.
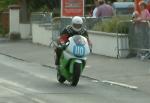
[(1, 29), (114, 24), (2, 32), (33, 5), (4, 4), (37, 5)]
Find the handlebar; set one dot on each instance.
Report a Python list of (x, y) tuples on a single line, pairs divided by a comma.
[(63, 45)]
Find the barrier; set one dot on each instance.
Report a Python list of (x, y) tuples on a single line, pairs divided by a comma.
[(139, 37)]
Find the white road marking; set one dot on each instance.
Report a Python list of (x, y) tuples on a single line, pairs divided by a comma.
[(120, 84), (37, 100), (18, 85), (87, 66), (22, 87), (95, 81), (11, 90)]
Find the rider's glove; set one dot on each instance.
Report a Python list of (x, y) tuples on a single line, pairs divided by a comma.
[(63, 39)]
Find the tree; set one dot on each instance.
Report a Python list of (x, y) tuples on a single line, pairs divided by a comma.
[(27, 6), (4, 4)]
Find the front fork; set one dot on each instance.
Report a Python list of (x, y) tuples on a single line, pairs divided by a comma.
[(72, 65)]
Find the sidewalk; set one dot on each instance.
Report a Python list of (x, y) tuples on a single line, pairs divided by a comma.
[(130, 71)]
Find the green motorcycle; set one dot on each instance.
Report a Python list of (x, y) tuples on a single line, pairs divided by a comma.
[(73, 60)]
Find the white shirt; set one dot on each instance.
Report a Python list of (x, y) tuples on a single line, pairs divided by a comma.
[(94, 12)]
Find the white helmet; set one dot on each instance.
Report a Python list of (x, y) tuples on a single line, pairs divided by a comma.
[(77, 23)]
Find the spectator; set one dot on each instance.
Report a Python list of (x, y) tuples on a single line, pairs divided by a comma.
[(137, 6), (91, 12), (145, 15), (95, 9), (104, 10), (148, 5)]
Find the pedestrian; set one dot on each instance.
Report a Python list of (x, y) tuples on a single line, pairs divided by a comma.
[(137, 6), (148, 5), (104, 10), (76, 28), (144, 28), (96, 2), (145, 15)]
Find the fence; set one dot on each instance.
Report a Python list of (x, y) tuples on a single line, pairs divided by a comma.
[(41, 17), (138, 36)]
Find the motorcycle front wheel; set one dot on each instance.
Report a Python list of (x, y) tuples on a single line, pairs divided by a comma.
[(76, 74), (60, 78)]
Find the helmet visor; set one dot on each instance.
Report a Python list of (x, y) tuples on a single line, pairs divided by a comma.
[(77, 26)]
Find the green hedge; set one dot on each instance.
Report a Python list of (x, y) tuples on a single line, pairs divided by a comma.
[(115, 24)]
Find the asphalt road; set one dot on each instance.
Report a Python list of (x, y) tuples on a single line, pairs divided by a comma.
[(26, 82)]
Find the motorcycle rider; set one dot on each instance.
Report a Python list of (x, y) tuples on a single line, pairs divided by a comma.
[(76, 28)]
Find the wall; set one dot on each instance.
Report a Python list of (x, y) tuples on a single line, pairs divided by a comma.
[(15, 25), (103, 43), (107, 44), (25, 31), (41, 35), (14, 20)]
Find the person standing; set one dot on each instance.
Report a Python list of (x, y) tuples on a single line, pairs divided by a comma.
[(137, 6), (145, 15), (104, 10), (95, 9), (148, 5), (143, 38)]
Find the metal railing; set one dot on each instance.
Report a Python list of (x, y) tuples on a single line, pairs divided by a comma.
[(138, 38), (41, 17)]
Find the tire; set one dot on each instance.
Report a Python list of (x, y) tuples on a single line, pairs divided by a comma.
[(76, 74), (60, 78)]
